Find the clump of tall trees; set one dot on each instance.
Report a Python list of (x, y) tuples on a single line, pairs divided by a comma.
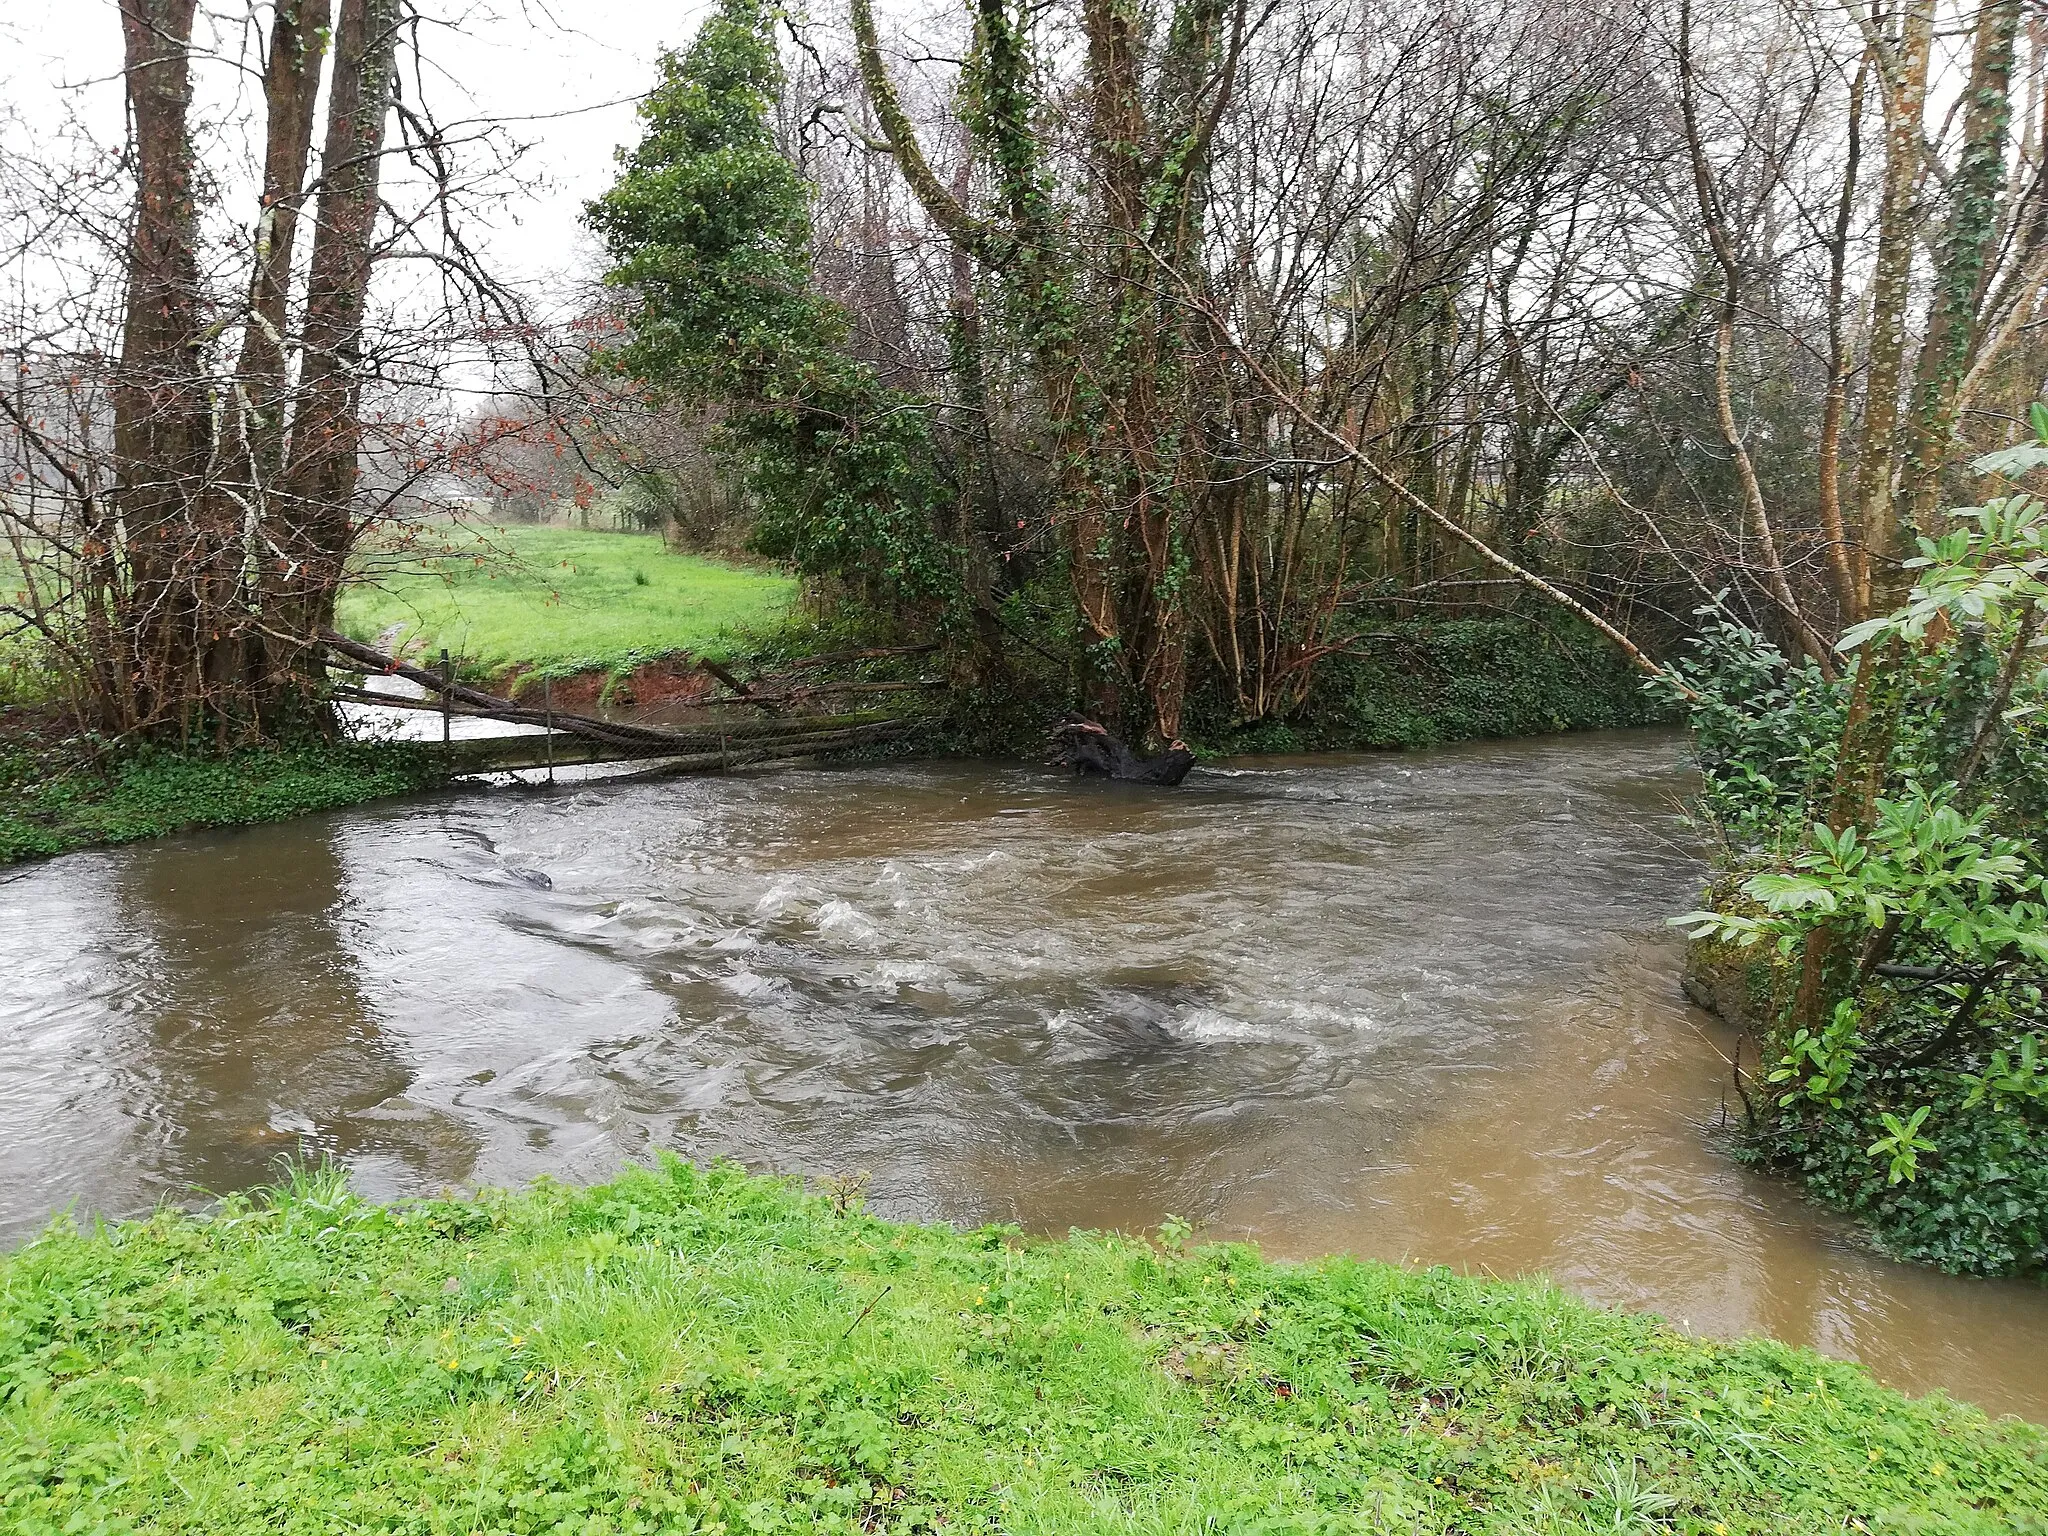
[(1218, 333), (182, 510), (214, 387)]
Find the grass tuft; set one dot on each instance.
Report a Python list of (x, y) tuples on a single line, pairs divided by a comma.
[(697, 1350)]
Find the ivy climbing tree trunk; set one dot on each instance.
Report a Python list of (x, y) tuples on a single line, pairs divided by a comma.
[(1963, 276), (1109, 347), (1903, 56), (1900, 486)]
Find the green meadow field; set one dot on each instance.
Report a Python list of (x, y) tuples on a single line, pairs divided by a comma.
[(560, 601)]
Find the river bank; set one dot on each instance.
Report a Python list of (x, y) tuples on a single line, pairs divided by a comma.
[(57, 794), (698, 1350), (1977, 1204), (1418, 685)]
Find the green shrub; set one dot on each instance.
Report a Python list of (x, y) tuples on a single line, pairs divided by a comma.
[(1978, 1203), (1881, 837), (1417, 683)]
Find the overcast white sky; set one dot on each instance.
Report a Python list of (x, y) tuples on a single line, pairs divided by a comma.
[(554, 63)]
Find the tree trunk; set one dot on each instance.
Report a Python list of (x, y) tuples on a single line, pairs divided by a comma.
[(1848, 597), (326, 435), (161, 418), (1968, 246), (254, 439), (291, 84), (980, 505), (1900, 221)]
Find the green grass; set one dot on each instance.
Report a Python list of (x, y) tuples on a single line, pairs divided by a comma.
[(688, 1350), (27, 677), (560, 601), (53, 798), (28, 672)]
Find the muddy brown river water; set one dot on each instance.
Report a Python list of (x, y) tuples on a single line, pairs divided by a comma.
[(1416, 1007)]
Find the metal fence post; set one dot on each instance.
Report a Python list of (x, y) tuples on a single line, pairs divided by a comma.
[(547, 694), (447, 677)]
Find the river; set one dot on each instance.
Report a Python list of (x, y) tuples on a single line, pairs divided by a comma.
[(1416, 1007)]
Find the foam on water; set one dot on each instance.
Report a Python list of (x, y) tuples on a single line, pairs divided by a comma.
[(1209, 1024), (842, 917)]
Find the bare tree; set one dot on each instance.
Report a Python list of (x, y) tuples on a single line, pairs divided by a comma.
[(195, 473)]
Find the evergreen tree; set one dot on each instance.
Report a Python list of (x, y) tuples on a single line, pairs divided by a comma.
[(708, 230)]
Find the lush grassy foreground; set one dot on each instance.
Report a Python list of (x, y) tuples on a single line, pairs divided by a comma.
[(687, 1350), (56, 796), (562, 601)]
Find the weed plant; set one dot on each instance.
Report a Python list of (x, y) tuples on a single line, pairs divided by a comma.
[(1420, 683), (1920, 1105)]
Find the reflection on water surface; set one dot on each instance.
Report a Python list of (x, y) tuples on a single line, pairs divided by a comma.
[(1417, 1007)]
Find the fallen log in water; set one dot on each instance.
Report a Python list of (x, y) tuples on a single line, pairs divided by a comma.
[(489, 704), (509, 754), (834, 658), (492, 706), (680, 737), (566, 739), (805, 691)]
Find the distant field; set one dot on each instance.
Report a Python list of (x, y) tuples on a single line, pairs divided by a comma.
[(27, 672), (561, 600)]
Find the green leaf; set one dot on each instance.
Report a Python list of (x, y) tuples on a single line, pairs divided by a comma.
[(1791, 893), (1859, 635)]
